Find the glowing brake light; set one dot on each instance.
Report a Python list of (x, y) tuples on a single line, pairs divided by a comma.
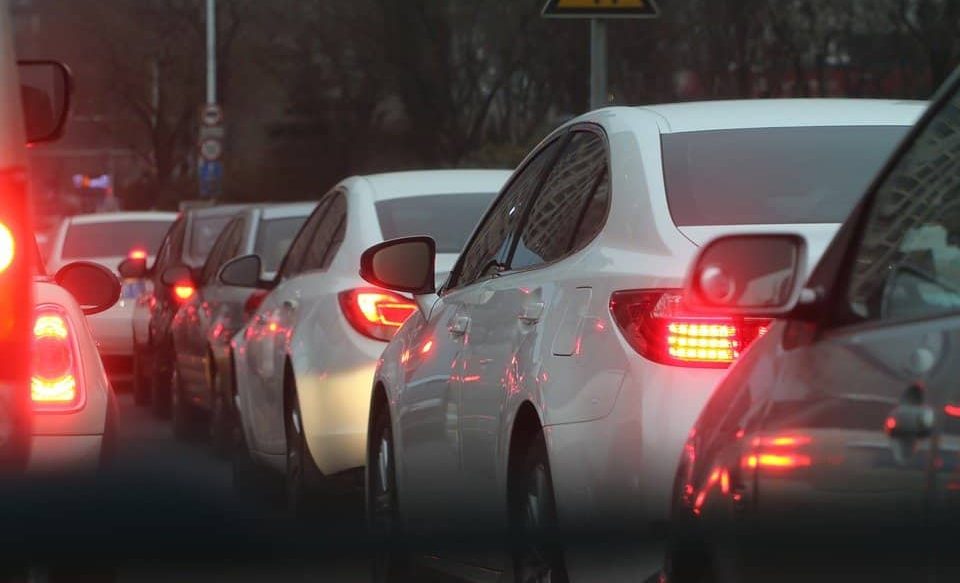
[(183, 291), (776, 461), (54, 384), (137, 254), (7, 247), (375, 313), (655, 325)]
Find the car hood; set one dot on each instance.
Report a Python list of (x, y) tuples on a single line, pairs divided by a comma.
[(818, 235)]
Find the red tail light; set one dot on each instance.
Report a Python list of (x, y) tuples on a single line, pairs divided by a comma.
[(7, 247), (184, 291), (655, 325), (137, 254), (253, 302), (55, 384), (376, 313)]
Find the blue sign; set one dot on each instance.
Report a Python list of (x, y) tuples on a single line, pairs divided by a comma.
[(211, 178)]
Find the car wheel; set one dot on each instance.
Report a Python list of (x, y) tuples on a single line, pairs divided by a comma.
[(162, 380), (302, 475), (383, 517), (185, 417), (141, 385), (223, 419), (537, 554)]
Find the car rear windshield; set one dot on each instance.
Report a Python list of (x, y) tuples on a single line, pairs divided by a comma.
[(274, 238), (772, 175), (203, 234), (113, 238), (448, 218)]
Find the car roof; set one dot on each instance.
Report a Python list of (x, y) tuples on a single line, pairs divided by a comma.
[(283, 211), (217, 211), (434, 182), (763, 113), (124, 216)]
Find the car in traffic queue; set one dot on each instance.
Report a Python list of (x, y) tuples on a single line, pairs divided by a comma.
[(186, 244), (305, 360), (34, 106), (107, 239), (551, 382), (74, 406), (203, 386), (831, 451)]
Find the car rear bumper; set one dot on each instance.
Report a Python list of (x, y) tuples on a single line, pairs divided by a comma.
[(618, 472), (65, 453)]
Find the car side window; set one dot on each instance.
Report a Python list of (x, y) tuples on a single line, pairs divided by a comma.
[(220, 252), (168, 251), (908, 261), (571, 206), (296, 254), (328, 236), (485, 253)]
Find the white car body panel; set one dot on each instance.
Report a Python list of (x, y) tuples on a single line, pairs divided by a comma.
[(301, 323), (614, 421)]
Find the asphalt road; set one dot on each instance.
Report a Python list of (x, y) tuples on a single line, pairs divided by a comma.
[(148, 452)]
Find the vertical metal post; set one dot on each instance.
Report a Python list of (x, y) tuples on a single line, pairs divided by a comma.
[(598, 63), (211, 52)]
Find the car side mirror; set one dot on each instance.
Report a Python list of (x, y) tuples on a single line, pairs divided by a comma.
[(45, 92), (133, 268), (176, 275), (243, 271), (747, 275), (94, 286), (406, 264)]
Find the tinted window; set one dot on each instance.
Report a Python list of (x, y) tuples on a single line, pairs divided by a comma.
[(203, 234), (274, 238), (225, 248), (552, 228), (449, 219), (113, 239), (328, 236), (292, 262), (772, 175), (908, 263), (486, 249)]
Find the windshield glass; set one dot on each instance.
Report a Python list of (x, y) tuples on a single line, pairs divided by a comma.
[(449, 219), (274, 238), (113, 239), (772, 175), (203, 235)]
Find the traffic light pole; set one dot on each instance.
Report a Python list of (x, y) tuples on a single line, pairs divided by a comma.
[(598, 63)]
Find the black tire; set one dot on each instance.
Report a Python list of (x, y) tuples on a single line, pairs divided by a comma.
[(141, 383), (303, 478), (186, 419), (161, 382), (223, 420), (537, 552), (391, 563)]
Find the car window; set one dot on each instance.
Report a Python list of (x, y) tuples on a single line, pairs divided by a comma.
[(171, 247), (113, 238), (203, 232), (274, 237), (576, 185), (223, 250), (487, 249), (908, 261), (293, 261), (328, 236), (418, 215)]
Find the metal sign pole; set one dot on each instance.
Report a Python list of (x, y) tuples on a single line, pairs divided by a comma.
[(598, 63), (211, 52)]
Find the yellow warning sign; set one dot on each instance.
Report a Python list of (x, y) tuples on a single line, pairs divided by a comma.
[(601, 9)]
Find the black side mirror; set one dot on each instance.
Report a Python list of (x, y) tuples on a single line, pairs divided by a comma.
[(45, 92), (177, 275), (748, 275), (133, 268), (94, 286), (405, 265), (243, 271)]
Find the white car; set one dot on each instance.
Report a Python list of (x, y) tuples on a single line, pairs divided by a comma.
[(553, 379), (108, 239), (75, 417), (305, 359)]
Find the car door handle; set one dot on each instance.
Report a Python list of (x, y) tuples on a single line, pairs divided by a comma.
[(531, 313), (289, 305), (460, 325)]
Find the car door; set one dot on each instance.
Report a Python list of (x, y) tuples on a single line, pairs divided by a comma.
[(165, 305), (268, 333), (428, 405), (511, 326)]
